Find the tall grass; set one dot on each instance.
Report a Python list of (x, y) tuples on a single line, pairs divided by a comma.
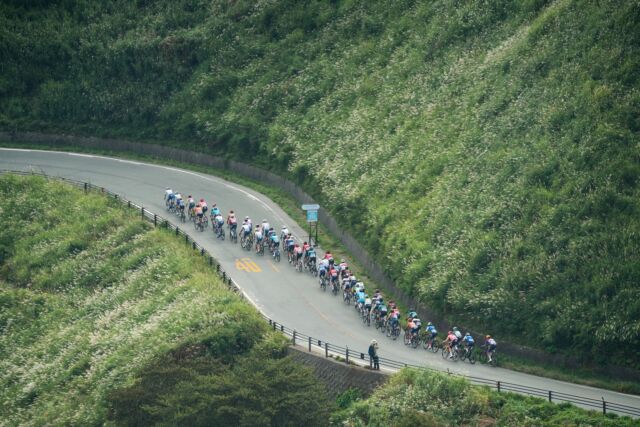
[(92, 299)]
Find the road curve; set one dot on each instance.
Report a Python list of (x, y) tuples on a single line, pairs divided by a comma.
[(282, 294)]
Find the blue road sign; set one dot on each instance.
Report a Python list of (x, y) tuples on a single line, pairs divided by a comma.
[(312, 216)]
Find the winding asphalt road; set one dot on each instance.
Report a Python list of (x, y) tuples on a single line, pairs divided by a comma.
[(288, 297)]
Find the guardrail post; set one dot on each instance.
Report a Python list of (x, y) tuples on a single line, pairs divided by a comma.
[(281, 328), (604, 407), (177, 230), (210, 261), (85, 187), (274, 326), (294, 338), (549, 395), (142, 212), (155, 220), (498, 386), (309, 344), (128, 202), (224, 277), (193, 245), (346, 353), (326, 349), (202, 252)]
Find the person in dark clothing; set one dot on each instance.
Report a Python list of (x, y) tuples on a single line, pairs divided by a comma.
[(373, 355)]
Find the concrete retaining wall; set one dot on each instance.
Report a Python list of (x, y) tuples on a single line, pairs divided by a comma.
[(269, 178), (337, 376)]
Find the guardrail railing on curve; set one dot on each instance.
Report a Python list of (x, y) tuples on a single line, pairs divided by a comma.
[(346, 354)]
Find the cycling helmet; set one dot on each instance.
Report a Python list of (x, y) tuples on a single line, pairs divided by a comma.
[(429, 324), (455, 328), (264, 220), (246, 218), (467, 334), (284, 227), (189, 195), (488, 336), (202, 200), (450, 332)]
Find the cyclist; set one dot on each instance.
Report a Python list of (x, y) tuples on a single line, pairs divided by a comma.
[(297, 250), (290, 243), (360, 298), (418, 324), (177, 197), (394, 318), (191, 204), (219, 223), (248, 220), (181, 205), (410, 327), (204, 206), (367, 304), (333, 276), (382, 311), (458, 335), (311, 257), (322, 271), (491, 345), (168, 192), (284, 232), (258, 237), (246, 229), (265, 226), (468, 342), (199, 214), (450, 342), (274, 240), (433, 333), (232, 222)]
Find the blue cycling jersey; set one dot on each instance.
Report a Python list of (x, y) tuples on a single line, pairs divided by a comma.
[(469, 340), (275, 238)]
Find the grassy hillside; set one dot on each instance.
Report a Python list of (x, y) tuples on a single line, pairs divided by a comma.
[(413, 398), (486, 152), (104, 320)]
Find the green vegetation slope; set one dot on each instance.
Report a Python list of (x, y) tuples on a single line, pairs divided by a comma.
[(423, 398), (104, 320), (485, 152)]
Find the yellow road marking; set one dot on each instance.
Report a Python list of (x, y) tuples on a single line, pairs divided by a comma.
[(247, 264), (274, 267)]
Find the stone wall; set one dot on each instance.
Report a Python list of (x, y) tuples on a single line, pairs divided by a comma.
[(338, 376)]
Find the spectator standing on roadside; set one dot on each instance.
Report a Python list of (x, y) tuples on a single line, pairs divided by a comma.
[(373, 355)]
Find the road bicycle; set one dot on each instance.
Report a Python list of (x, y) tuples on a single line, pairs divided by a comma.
[(346, 296), (393, 330), (431, 343), (484, 358), (233, 235), (449, 353), (467, 353)]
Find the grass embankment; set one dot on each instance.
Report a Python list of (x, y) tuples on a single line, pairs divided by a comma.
[(486, 153), (419, 398), (104, 319)]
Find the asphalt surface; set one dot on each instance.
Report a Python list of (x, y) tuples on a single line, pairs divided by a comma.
[(286, 296)]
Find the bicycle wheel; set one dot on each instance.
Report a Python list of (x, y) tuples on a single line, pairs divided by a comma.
[(277, 255), (472, 357), (445, 352), (482, 357), (407, 338)]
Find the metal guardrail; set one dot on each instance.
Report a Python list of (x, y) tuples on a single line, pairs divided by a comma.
[(346, 354)]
